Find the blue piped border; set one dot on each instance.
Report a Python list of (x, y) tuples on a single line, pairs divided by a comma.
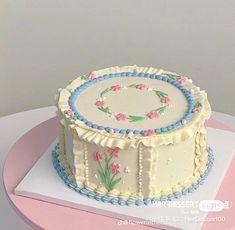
[(187, 116), (130, 202)]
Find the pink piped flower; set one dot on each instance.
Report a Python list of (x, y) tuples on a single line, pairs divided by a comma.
[(152, 115), (99, 103), (120, 117), (113, 151), (196, 110), (116, 87), (165, 100), (69, 112), (91, 75), (115, 168), (141, 87), (149, 132), (181, 80), (98, 156)]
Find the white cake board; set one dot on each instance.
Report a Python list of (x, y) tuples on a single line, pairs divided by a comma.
[(43, 183)]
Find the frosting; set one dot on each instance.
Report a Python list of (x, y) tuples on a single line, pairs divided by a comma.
[(106, 136), (178, 191), (150, 175), (132, 127)]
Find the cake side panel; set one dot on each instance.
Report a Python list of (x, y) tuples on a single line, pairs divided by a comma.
[(68, 147), (173, 167), (112, 171), (175, 164), (138, 173)]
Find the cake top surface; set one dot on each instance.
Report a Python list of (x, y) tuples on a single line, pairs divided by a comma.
[(135, 101)]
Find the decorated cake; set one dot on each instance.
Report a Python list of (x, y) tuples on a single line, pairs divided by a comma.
[(132, 135)]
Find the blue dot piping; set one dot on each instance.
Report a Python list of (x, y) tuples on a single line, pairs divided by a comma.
[(187, 116)]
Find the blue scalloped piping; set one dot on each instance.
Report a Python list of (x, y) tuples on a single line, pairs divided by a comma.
[(187, 116), (130, 202)]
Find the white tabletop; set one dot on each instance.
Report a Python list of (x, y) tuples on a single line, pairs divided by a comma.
[(13, 127)]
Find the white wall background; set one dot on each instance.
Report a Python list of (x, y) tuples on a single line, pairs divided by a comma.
[(44, 44)]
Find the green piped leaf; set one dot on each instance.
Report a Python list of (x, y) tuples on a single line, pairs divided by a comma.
[(107, 170), (198, 104), (107, 158), (136, 118), (160, 109), (84, 78), (160, 94), (102, 176), (104, 92), (73, 118), (132, 86), (113, 183), (170, 75), (105, 110)]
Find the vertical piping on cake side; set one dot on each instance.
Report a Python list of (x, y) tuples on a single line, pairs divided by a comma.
[(201, 155), (79, 162), (86, 163), (153, 171), (61, 139), (140, 168)]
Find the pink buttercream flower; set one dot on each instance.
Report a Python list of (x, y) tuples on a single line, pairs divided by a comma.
[(196, 110), (165, 100), (141, 87), (69, 112), (181, 80), (113, 151), (99, 103), (149, 132), (152, 115), (116, 87), (98, 156), (91, 75), (115, 168), (120, 117)]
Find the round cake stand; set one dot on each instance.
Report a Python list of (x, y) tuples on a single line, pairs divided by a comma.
[(43, 215)]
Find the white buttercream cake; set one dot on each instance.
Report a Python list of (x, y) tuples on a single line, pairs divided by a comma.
[(132, 134)]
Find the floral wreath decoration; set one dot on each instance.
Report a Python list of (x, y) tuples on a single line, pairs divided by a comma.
[(178, 81), (153, 114)]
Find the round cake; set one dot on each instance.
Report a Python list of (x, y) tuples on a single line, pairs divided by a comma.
[(132, 135)]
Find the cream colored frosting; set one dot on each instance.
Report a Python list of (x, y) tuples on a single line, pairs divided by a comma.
[(106, 139), (151, 160), (132, 101), (158, 176)]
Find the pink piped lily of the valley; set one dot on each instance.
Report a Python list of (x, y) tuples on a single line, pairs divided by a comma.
[(165, 100), (121, 117), (91, 75), (69, 112), (152, 115), (100, 103), (115, 168), (149, 132), (182, 80), (141, 87), (197, 107), (116, 88), (98, 156), (197, 110), (114, 152)]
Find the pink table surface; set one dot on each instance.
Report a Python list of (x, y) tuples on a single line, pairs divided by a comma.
[(43, 215)]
